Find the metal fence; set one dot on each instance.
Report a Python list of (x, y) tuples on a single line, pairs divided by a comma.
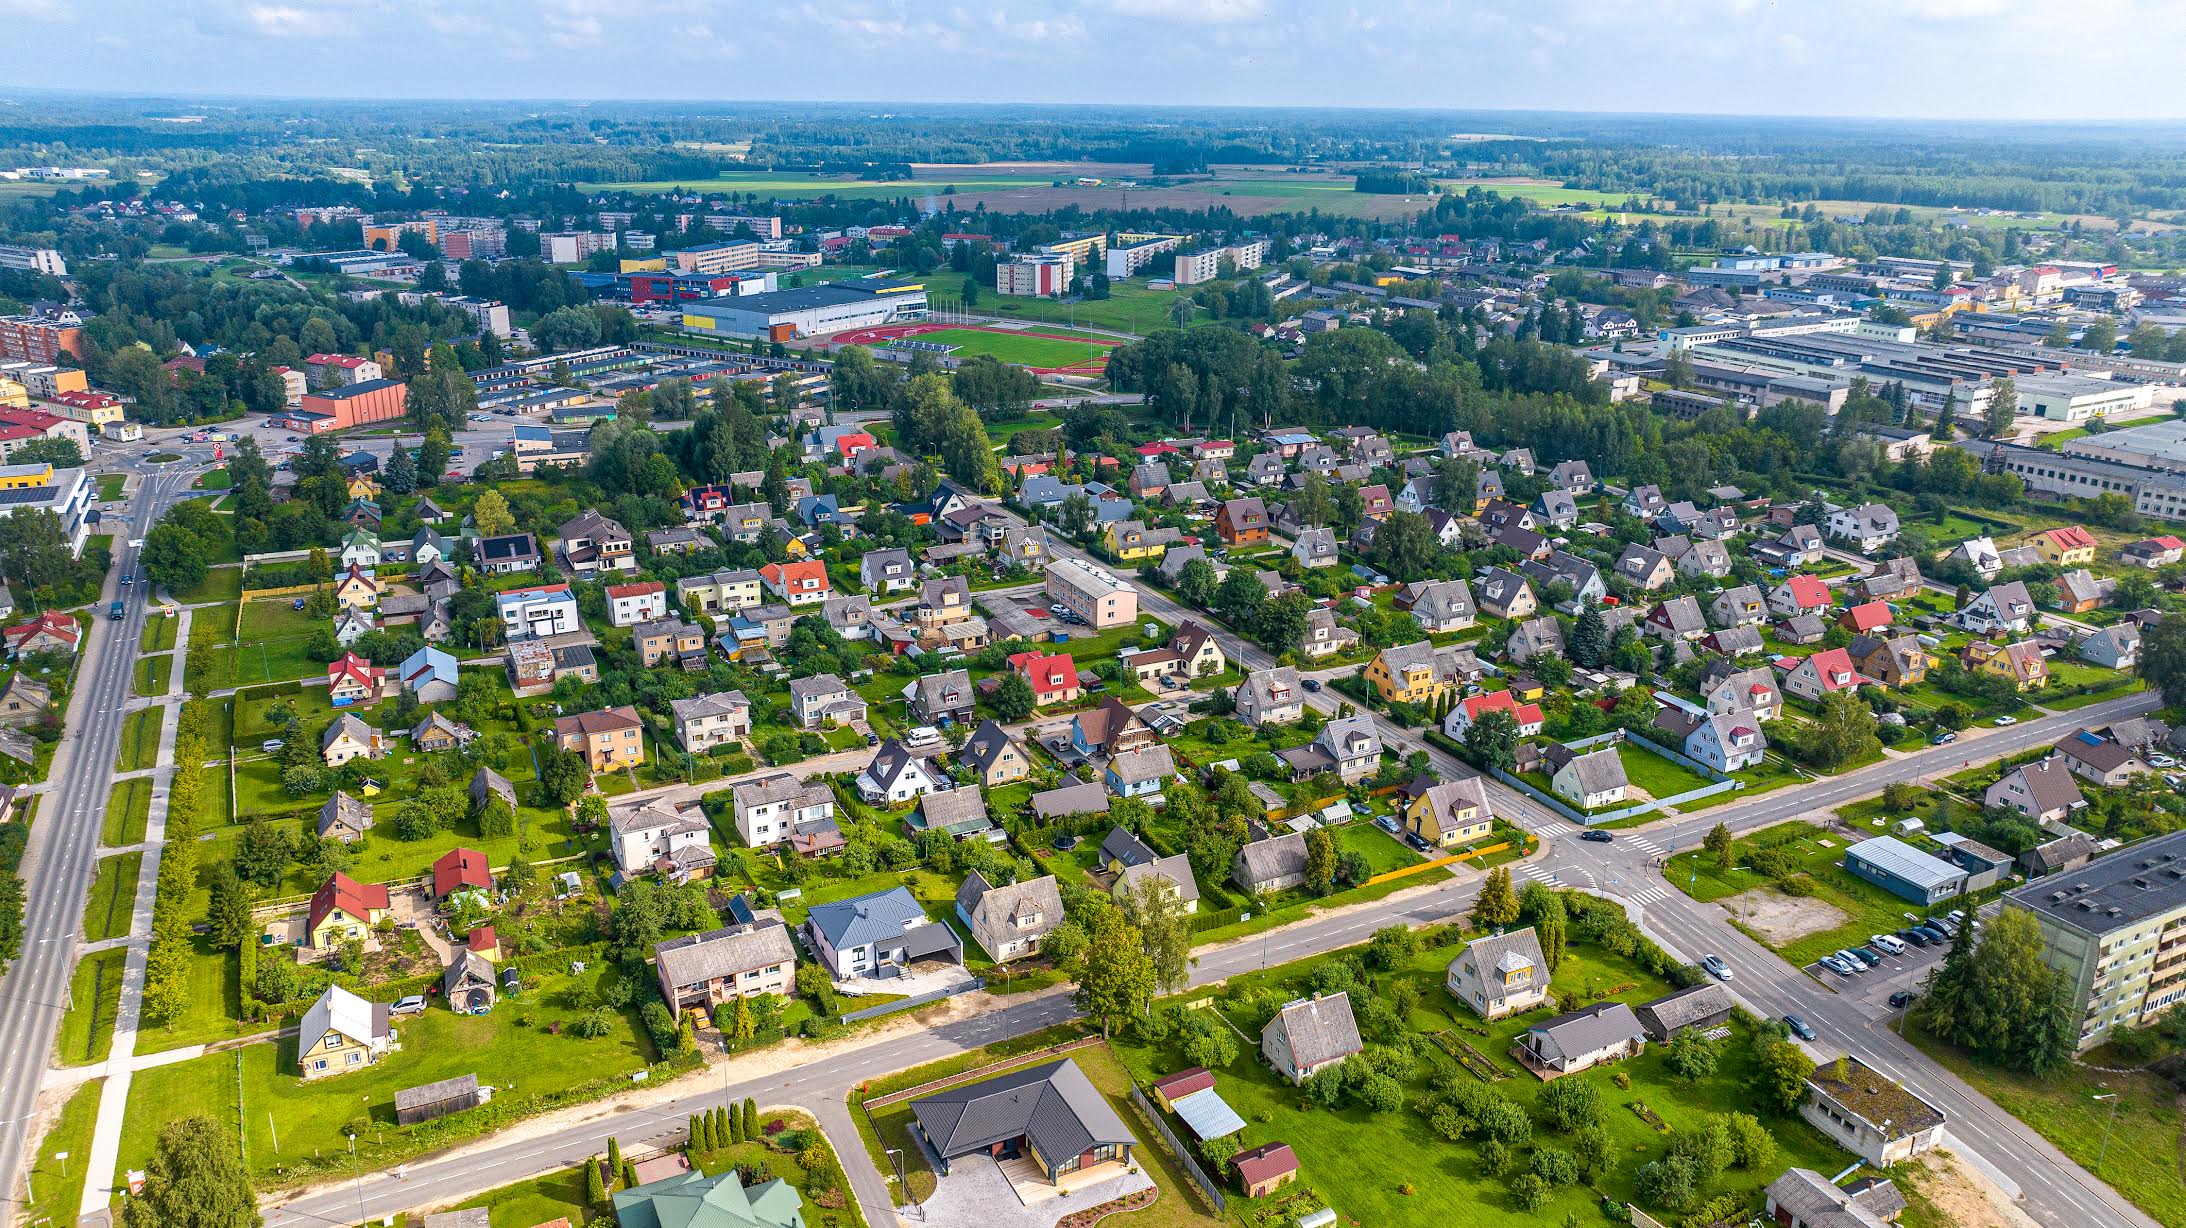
[(1176, 1148)]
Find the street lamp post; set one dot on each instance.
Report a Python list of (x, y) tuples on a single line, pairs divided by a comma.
[(2104, 1150)]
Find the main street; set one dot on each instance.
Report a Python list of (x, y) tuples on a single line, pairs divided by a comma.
[(63, 852), (2053, 1189)]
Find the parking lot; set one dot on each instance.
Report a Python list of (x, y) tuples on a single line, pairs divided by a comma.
[(1907, 971)]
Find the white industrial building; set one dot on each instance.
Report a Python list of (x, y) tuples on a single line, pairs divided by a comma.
[(809, 310)]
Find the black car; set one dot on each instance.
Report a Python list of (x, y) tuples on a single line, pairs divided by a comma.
[(1312, 684), (1799, 1027), (1903, 997), (1916, 937), (1599, 837)]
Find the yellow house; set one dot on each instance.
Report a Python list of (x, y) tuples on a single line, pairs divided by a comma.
[(1130, 541), (363, 486), (1448, 814), (2022, 662), (357, 589), (1526, 688), (2070, 546), (341, 1032), (1411, 673), (343, 909)]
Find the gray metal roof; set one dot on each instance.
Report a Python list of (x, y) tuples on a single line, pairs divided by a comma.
[(1320, 1028), (1053, 1104), (695, 959), (867, 918), (1902, 860), (1207, 1115)]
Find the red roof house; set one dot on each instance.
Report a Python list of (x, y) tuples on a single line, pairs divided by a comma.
[(1866, 617), (352, 679), (1808, 592), (1054, 677), (1263, 1169), (461, 870), (51, 631), (360, 902)]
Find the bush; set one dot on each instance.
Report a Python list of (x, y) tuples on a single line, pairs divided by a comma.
[(1528, 1192), (1569, 1104), (1556, 1166)]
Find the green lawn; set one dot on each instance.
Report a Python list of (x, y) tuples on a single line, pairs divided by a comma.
[(1130, 307), (215, 999), (510, 1049), (87, 1030), (159, 634), (2141, 1160), (1868, 909), (541, 1200), (58, 1182), (128, 811), (139, 739), (221, 584), (113, 897), (215, 479), (1383, 852), (110, 485), (153, 674), (1659, 776)]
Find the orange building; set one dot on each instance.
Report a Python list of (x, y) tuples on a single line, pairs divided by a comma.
[(336, 409)]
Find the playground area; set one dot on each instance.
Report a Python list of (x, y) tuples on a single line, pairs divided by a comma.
[(1043, 350)]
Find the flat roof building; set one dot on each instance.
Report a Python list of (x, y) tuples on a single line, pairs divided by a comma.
[(1902, 870), (809, 310), (1094, 594), (2116, 928)]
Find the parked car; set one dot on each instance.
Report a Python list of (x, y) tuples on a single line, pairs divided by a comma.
[(1599, 837), (1887, 943), (412, 1005), (1851, 960), (1716, 967), (1945, 738), (1915, 937), (270, 745), (1868, 956), (1935, 935), (1799, 1027), (2003, 722), (1903, 997), (1836, 965)]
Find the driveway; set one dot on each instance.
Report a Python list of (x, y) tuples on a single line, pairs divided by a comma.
[(977, 1192)]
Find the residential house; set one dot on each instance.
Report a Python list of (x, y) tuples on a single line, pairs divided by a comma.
[(1797, 546), (2043, 791), (343, 910), (670, 639), (1315, 548), (1894, 661), (1869, 1114), (895, 776), (1470, 709), (429, 674), (1730, 689), (1583, 1039), (1506, 594), (721, 593), (437, 733), (1140, 773), (1644, 569), (1742, 606), (1110, 728), (877, 934), (1132, 541), (2097, 759), (887, 571), (1679, 618), (1048, 1121), (1349, 746), (1309, 1035), (2114, 647), (1277, 863), (341, 1032), (1009, 920), (994, 756), (1054, 676), (1450, 813), (350, 680), (1726, 741), (796, 583), (1702, 1007), (1866, 528), (659, 838), (824, 700), (1573, 476), (2154, 552), (1825, 673), (701, 971), (1803, 1198), (943, 698), (349, 738), (1439, 606), (631, 604), (1799, 595), (357, 589), (537, 612), (771, 809), (1417, 673), (1588, 779), (1171, 874), (1645, 502), (344, 818), (459, 870), (506, 554), (2022, 662), (1323, 637), (1500, 974), (705, 722), (2080, 591), (2070, 546), (1270, 697), (2004, 609), (591, 542), (1543, 636), (1705, 558), (610, 739)]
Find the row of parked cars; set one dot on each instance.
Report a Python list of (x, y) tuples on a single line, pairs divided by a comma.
[(1936, 931)]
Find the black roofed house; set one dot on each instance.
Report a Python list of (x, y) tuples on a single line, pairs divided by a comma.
[(1047, 1119), (1702, 1006), (1121, 850), (1072, 797), (345, 818), (1310, 1035), (1581, 1040), (994, 755)]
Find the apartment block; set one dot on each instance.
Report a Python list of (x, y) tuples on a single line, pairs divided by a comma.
[(2117, 927), (1094, 594), (1195, 267)]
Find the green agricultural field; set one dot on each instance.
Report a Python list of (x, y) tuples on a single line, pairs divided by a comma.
[(113, 897), (269, 648), (87, 1030), (512, 1049), (128, 812), (809, 185), (58, 1182), (1024, 350)]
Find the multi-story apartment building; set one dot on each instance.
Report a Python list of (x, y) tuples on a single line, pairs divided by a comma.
[(40, 338), (1094, 594), (1195, 267), (1041, 275), (33, 259), (2117, 928)]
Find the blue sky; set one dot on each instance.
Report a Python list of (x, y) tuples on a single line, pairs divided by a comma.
[(1958, 58)]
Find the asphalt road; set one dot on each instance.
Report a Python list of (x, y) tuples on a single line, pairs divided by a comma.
[(64, 842)]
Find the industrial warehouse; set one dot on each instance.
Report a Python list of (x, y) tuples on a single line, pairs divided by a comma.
[(809, 310)]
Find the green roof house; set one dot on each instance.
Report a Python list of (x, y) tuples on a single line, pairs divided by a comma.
[(695, 1200)]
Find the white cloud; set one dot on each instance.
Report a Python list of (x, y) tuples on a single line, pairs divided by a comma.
[(288, 21), (38, 10), (1194, 12)]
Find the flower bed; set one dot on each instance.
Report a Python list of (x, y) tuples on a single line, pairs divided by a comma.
[(1133, 1201)]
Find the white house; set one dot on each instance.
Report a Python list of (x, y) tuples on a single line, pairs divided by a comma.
[(896, 776), (770, 808), (1870, 526), (641, 602), (659, 836)]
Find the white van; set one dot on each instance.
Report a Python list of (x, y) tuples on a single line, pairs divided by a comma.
[(924, 735), (1895, 946)]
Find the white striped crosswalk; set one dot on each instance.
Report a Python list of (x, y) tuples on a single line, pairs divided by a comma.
[(1650, 895), (1545, 877), (1644, 845)]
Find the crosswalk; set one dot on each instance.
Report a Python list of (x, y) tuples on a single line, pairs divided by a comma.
[(1547, 878), (1650, 895), (1644, 845)]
